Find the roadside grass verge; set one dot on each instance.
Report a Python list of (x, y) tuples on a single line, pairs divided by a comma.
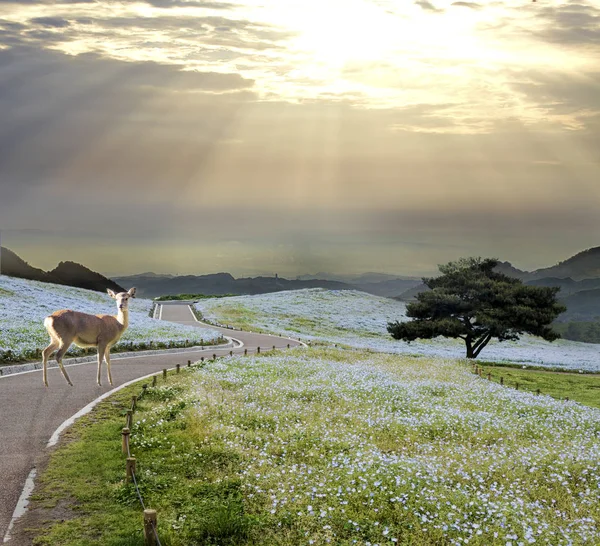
[(325, 446), (24, 304), (582, 388)]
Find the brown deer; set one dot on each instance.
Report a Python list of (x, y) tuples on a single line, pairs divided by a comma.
[(102, 331)]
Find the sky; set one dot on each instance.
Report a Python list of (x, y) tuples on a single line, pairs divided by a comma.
[(290, 137)]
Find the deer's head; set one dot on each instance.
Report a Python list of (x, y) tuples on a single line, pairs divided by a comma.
[(122, 298)]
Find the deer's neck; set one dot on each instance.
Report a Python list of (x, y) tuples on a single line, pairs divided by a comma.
[(123, 318)]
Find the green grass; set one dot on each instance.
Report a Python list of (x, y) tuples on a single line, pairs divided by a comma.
[(322, 444), (582, 388), (195, 488)]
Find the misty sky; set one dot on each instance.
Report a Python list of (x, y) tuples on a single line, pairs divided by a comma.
[(195, 136)]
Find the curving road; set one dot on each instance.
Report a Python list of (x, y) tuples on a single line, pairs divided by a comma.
[(30, 412)]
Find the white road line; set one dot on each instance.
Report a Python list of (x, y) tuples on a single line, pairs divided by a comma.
[(248, 332), (113, 358), (21, 507), (29, 484), (23, 502), (232, 339)]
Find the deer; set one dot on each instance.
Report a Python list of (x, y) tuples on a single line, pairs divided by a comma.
[(102, 331)]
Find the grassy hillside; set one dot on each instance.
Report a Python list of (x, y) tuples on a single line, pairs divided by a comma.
[(359, 320), (324, 446), (24, 304)]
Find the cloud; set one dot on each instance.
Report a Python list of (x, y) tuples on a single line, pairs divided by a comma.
[(576, 24), (47, 2), (427, 6), (189, 4), (55, 22), (470, 5)]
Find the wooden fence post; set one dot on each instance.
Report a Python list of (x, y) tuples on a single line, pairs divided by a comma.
[(189, 363), (202, 359), (150, 523), (130, 468), (538, 391), (178, 368), (164, 374), (125, 440), (489, 376), (154, 381), (245, 352), (288, 345), (214, 356), (133, 402), (517, 386), (501, 380), (230, 353), (129, 419), (258, 350)]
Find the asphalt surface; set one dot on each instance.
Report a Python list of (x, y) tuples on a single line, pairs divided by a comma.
[(30, 412)]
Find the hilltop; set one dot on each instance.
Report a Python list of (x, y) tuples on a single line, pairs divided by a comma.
[(66, 273)]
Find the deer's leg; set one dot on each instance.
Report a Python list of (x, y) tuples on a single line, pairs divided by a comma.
[(107, 358), (64, 346), (46, 354), (101, 351)]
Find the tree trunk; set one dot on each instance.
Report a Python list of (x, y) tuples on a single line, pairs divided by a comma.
[(469, 344), (481, 344), (473, 349)]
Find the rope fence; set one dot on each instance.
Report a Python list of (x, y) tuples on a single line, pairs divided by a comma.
[(478, 370), (151, 537)]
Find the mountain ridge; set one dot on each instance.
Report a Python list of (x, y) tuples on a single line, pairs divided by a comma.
[(66, 273)]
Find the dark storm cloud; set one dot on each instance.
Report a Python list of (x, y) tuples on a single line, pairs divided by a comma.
[(56, 22)]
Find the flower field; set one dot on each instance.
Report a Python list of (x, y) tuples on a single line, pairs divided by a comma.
[(328, 446), (359, 320), (24, 304)]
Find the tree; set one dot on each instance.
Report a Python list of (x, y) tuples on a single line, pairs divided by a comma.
[(473, 302)]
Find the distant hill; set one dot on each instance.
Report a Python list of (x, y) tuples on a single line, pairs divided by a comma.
[(411, 293), (14, 266), (388, 289), (585, 265), (581, 306), (508, 269), (66, 273), (74, 274), (220, 283), (363, 278)]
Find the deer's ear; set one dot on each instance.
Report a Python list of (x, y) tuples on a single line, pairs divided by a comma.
[(111, 293), (131, 292)]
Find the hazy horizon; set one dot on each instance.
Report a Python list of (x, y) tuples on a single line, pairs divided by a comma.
[(48, 261), (292, 137)]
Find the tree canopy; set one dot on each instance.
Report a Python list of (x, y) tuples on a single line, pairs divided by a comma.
[(473, 302)]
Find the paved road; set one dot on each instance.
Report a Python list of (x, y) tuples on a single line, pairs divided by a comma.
[(30, 412)]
